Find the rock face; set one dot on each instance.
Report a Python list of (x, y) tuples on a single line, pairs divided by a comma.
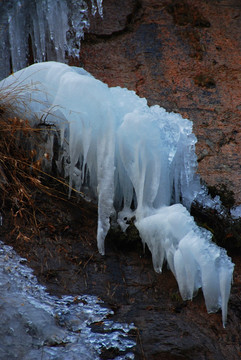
[(184, 56)]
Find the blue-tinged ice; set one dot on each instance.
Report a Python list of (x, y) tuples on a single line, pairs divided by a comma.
[(136, 161), (35, 325), (236, 212), (37, 30)]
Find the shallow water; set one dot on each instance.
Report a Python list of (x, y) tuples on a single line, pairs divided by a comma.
[(35, 325)]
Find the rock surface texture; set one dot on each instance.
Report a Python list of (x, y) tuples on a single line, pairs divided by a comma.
[(184, 56)]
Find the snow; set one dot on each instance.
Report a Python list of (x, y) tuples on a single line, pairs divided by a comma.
[(137, 162)]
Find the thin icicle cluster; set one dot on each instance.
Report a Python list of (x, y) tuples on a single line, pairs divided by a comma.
[(135, 160), (41, 30)]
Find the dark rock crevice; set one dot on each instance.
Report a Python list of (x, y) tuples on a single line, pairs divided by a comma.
[(184, 14), (130, 15)]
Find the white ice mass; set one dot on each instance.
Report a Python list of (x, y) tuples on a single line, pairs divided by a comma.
[(137, 161)]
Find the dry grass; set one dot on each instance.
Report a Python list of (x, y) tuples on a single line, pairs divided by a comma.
[(22, 178)]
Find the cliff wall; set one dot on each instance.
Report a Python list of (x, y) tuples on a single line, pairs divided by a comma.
[(184, 56)]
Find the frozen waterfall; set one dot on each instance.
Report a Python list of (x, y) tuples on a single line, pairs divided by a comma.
[(137, 161)]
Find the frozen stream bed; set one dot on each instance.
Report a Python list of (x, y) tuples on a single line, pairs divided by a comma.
[(35, 325)]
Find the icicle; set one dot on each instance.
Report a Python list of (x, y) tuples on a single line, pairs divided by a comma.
[(41, 30)]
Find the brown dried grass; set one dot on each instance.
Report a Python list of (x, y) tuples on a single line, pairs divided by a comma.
[(22, 178)]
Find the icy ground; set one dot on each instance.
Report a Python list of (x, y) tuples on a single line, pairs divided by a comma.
[(137, 161), (35, 325)]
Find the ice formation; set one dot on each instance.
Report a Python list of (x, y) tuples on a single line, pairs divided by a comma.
[(236, 212), (40, 30), (137, 161), (35, 325)]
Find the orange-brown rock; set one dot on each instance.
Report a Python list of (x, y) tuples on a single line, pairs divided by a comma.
[(184, 56)]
